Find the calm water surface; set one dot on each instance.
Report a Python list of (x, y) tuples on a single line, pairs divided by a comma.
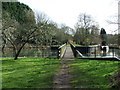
[(99, 53), (31, 52)]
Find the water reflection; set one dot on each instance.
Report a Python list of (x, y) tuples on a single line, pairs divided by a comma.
[(31, 52), (104, 53), (100, 53)]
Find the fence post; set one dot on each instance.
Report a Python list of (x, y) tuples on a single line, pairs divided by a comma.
[(95, 52), (58, 54)]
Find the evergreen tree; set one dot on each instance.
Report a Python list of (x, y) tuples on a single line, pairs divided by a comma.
[(103, 36)]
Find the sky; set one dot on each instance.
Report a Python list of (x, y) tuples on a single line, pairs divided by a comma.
[(67, 11)]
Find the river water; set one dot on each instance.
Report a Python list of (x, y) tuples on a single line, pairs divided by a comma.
[(100, 53), (31, 52), (48, 53)]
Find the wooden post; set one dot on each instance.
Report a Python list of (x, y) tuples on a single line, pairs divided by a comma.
[(95, 52)]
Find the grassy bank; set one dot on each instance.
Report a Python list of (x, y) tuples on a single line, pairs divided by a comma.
[(92, 73), (29, 72)]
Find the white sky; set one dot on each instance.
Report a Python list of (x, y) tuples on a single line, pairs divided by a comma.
[(67, 11)]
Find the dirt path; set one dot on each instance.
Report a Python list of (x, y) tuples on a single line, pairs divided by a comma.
[(62, 79)]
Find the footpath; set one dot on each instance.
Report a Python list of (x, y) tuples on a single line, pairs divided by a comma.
[(62, 79)]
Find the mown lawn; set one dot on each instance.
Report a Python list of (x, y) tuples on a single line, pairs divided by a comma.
[(92, 73), (29, 72)]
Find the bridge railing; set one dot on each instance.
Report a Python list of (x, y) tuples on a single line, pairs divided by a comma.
[(75, 51), (61, 51)]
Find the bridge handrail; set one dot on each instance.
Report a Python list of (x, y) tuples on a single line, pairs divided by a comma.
[(61, 50), (75, 51), (62, 46)]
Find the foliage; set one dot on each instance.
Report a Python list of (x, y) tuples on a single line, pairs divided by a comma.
[(29, 72), (16, 10), (92, 73), (103, 36), (61, 35), (54, 35), (21, 27), (86, 30), (17, 31), (113, 39)]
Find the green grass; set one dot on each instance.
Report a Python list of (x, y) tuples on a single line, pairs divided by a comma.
[(29, 72), (92, 73)]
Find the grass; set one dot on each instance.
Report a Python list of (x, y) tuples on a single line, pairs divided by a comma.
[(92, 73), (29, 72)]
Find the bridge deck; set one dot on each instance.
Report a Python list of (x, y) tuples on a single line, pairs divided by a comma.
[(68, 54)]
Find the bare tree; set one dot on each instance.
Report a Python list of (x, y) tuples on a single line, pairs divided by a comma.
[(84, 27)]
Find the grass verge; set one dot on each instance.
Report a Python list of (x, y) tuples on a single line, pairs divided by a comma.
[(29, 72), (92, 73)]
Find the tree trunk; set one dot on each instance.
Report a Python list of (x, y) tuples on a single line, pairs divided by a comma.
[(3, 49), (3, 46), (18, 52)]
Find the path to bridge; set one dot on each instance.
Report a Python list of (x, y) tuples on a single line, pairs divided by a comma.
[(62, 79)]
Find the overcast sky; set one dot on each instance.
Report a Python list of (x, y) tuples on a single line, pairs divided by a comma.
[(67, 11)]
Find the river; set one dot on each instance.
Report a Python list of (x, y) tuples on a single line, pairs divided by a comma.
[(31, 52), (100, 53)]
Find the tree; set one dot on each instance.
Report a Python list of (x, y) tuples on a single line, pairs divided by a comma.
[(15, 30), (63, 34), (103, 36), (112, 39), (84, 28), (79, 36), (46, 28), (94, 35)]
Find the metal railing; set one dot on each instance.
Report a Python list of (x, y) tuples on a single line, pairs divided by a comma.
[(75, 51), (61, 51)]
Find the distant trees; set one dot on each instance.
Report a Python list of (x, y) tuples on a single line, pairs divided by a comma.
[(54, 34), (86, 29), (62, 35), (94, 35), (112, 39), (103, 36)]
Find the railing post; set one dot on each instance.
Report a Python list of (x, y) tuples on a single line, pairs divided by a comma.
[(75, 52), (58, 53), (95, 52)]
